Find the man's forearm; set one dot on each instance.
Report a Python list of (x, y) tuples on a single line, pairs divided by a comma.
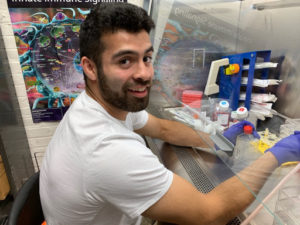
[(238, 191), (180, 134), (258, 172)]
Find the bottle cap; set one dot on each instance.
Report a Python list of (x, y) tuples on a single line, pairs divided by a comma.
[(234, 115), (248, 129), (223, 105), (242, 112)]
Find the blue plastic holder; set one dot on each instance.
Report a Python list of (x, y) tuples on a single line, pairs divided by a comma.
[(230, 85)]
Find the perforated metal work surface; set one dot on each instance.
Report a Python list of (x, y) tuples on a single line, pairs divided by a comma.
[(200, 180), (197, 175)]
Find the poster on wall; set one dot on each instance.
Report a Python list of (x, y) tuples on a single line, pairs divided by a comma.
[(47, 39)]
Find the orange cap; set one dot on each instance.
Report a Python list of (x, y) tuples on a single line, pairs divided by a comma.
[(248, 129)]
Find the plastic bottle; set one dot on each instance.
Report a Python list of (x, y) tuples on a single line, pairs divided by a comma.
[(222, 113), (242, 113), (244, 150)]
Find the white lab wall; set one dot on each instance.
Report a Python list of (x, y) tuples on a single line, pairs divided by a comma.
[(273, 28), (39, 134), (136, 2)]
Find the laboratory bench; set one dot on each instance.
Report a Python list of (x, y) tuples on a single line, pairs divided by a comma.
[(206, 168)]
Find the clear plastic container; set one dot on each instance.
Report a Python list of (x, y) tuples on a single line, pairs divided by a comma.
[(280, 203), (244, 151), (288, 200)]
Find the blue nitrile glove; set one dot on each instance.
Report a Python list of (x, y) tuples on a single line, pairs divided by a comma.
[(235, 130), (287, 149)]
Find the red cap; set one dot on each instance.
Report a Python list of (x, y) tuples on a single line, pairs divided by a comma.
[(248, 129)]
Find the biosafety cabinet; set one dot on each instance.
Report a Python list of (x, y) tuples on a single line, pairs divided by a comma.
[(218, 62)]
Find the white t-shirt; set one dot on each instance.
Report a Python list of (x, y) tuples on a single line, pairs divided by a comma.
[(97, 170)]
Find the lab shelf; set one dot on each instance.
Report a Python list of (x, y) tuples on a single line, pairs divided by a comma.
[(230, 85)]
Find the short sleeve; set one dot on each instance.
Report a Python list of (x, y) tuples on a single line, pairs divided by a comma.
[(127, 174), (139, 119)]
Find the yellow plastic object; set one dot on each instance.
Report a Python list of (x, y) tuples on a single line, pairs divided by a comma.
[(232, 69), (260, 145), (266, 141)]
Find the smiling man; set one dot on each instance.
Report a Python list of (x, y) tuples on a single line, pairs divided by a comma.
[(126, 73), (97, 168)]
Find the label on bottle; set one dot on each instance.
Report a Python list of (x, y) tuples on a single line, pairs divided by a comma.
[(223, 118)]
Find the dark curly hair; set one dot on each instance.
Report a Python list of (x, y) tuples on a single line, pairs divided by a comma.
[(110, 17)]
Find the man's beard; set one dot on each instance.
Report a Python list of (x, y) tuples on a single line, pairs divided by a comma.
[(123, 100)]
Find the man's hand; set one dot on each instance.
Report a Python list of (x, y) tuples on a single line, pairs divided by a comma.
[(235, 130), (287, 149)]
